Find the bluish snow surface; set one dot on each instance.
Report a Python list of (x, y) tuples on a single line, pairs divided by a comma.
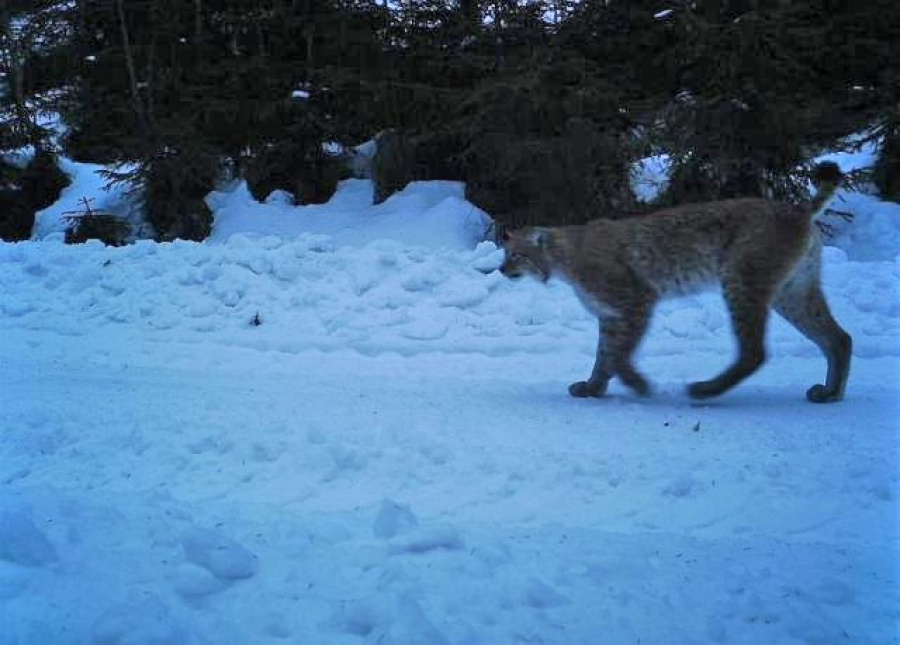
[(391, 457)]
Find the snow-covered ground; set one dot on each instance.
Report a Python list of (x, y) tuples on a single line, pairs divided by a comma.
[(390, 456)]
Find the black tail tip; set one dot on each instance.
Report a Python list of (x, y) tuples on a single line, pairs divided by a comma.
[(826, 173)]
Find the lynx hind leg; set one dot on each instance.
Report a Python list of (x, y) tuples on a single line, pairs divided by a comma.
[(619, 337), (802, 303), (749, 308)]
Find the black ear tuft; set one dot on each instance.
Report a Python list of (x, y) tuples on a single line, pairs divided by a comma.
[(500, 233)]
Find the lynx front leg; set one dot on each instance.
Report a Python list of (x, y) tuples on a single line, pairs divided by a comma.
[(619, 338), (599, 380)]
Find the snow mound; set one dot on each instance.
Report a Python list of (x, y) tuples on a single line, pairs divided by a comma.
[(874, 231), (393, 518), (431, 214), (218, 554), (304, 293)]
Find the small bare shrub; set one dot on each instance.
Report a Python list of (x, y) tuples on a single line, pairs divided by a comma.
[(96, 225)]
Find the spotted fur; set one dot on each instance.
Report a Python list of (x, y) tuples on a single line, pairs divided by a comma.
[(764, 255)]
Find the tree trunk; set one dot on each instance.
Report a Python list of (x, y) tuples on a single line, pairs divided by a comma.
[(260, 38), (470, 12), (499, 16), (304, 9), (310, 60), (198, 19), (11, 64), (129, 62)]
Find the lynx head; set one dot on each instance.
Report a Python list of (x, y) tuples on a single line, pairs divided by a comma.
[(527, 253)]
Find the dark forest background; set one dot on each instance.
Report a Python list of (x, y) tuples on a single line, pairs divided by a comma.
[(540, 106)]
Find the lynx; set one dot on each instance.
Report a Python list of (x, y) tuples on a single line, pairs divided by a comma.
[(764, 255)]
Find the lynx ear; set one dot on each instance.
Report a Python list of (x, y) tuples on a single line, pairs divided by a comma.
[(540, 236)]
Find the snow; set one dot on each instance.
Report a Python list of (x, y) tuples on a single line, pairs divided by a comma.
[(427, 214), (367, 148), (391, 457), (87, 182), (361, 159), (873, 233), (334, 149), (861, 152), (21, 542), (650, 177), (221, 557)]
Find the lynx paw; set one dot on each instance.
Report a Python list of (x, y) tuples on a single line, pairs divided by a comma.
[(821, 394), (584, 389), (704, 390), (637, 383)]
